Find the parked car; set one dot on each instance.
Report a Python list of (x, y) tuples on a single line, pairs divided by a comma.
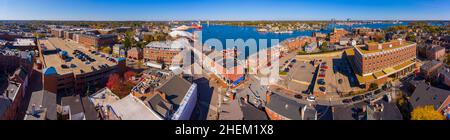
[(311, 98), (378, 91), (64, 66), (323, 89), (321, 82), (322, 74), (368, 95), (298, 96), (346, 101), (357, 98)]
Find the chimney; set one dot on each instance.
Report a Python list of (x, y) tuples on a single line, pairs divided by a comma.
[(246, 99), (268, 96), (400, 41)]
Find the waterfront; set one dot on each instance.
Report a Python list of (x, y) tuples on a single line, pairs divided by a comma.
[(224, 32)]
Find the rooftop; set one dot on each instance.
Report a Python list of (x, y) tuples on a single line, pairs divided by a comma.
[(151, 79), (425, 94), (231, 111), (437, 48), (11, 90), (17, 53), (379, 74), (24, 42), (383, 110), (284, 106), (79, 104), (132, 108), (362, 48), (178, 44), (444, 71), (161, 106), (103, 97), (79, 66), (252, 113), (175, 95), (430, 64), (48, 102), (349, 112)]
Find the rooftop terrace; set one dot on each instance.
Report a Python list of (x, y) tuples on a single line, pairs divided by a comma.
[(363, 48)]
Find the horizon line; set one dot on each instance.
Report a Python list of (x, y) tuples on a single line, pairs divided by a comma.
[(445, 20)]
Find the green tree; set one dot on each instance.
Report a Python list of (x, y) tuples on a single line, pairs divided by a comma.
[(127, 43), (373, 86), (426, 113), (324, 46), (411, 37), (106, 49)]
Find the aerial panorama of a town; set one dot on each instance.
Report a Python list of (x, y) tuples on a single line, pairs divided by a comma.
[(224, 60)]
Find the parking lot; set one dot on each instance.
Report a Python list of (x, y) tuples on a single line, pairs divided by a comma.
[(299, 76), (334, 77)]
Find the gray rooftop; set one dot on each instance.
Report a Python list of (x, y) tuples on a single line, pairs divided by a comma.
[(310, 113), (390, 112), (348, 112), (425, 94), (231, 111), (437, 48), (80, 104), (175, 89), (160, 106), (285, 106), (430, 64), (45, 99), (252, 113)]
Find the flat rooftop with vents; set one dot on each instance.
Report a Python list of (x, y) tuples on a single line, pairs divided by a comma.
[(71, 64)]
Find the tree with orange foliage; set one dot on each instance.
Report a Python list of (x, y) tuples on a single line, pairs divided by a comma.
[(113, 81), (426, 113), (118, 86)]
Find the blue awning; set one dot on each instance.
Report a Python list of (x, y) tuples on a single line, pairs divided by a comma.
[(120, 59), (238, 81)]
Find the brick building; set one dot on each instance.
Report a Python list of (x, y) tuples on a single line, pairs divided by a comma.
[(96, 40), (435, 53), (430, 69), (68, 76), (374, 62), (297, 43), (165, 51), (336, 35), (135, 53), (13, 88), (57, 32)]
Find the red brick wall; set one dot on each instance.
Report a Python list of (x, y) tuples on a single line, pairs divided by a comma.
[(155, 55), (382, 61)]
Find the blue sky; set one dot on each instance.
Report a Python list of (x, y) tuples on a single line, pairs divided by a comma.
[(224, 9)]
